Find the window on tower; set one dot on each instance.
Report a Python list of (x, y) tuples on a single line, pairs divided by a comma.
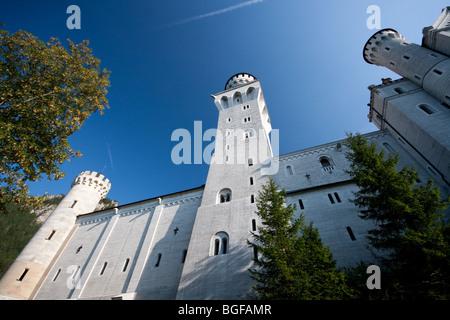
[(219, 244), (224, 196)]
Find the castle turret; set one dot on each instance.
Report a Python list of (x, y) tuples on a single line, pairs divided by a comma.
[(426, 68), (416, 108), (24, 276)]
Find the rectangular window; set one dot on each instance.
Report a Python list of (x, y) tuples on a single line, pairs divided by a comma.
[(300, 202), (331, 198), (250, 162), (439, 72), (74, 203), (125, 266), (350, 233), (103, 268), (426, 109), (23, 274), (445, 105), (251, 181), (183, 257), (158, 260), (252, 199), (56, 275), (51, 235), (337, 197)]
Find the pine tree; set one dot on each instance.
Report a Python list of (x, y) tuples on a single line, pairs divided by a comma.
[(291, 261), (411, 235)]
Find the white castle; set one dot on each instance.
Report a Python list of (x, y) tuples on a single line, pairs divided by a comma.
[(192, 244)]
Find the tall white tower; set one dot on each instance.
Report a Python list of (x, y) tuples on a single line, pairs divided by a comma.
[(24, 276), (218, 256)]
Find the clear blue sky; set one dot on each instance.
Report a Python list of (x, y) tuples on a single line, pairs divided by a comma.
[(168, 56)]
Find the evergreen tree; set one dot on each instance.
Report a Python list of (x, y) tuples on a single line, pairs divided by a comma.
[(291, 261), (411, 236)]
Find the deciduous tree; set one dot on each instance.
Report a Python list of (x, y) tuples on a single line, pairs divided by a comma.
[(46, 93)]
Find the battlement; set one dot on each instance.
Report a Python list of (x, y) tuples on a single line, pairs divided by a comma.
[(239, 79), (94, 179), (374, 45)]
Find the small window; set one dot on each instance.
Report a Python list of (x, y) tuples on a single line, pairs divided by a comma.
[(426, 108), (331, 198), (446, 105), (325, 162), (251, 181), (388, 147), (51, 235), (439, 72), (125, 266), (103, 268), (350, 233), (183, 256), (300, 203), (56, 275), (399, 90), (406, 57), (289, 171), (158, 260), (24, 273), (252, 199), (336, 195), (74, 203), (253, 224), (250, 162), (255, 253), (249, 133), (224, 196)]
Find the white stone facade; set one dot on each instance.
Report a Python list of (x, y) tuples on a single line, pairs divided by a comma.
[(193, 244)]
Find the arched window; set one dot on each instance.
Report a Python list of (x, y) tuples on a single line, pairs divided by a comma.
[(224, 102), (289, 171), (251, 92), (224, 196), (249, 133), (326, 163), (237, 98), (219, 244)]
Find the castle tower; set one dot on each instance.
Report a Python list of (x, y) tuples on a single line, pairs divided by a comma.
[(416, 108), (218, 256), (426, 68), (24, 276)]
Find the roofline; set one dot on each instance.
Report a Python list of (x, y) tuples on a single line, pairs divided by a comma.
[(141, 201)]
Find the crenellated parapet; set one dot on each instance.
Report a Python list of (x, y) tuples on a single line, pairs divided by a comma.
[(94, 180)]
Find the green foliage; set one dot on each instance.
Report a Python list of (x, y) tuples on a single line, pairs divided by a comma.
[(46, 93), (411, 236), (292, 262), (17, 227)]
